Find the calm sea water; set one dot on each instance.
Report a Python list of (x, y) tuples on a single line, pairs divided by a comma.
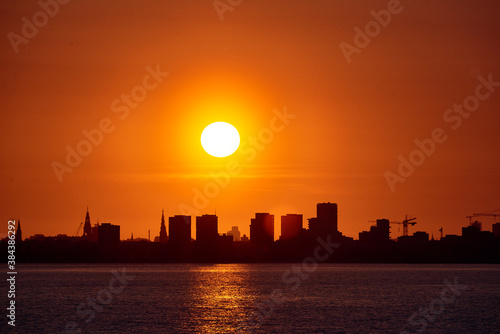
[(259, 298)]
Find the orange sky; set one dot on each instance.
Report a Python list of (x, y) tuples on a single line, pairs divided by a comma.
[(352, 120)]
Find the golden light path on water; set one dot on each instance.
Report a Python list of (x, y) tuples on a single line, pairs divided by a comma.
[(221, 297)]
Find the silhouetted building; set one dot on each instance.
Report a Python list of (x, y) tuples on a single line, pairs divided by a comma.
[(19, 232), (207, 230), (325, 223), (417, 237), (262, 230), (179, 229), (108, 233), (163, 229), (472, 231), (235, 233), (87, 228), (421, 236), (495, 228), (244, 238), (291, 225), (378, 233)]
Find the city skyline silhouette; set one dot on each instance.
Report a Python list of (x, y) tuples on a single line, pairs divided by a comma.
[(103, 242)]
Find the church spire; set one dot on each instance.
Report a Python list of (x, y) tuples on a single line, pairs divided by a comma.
[(87, 228), (163, 229), (19, 233)]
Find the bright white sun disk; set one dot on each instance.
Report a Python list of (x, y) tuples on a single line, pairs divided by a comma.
[(220, 139)]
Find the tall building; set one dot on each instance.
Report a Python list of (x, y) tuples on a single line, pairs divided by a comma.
[(179, 229), (163, 229), (19, 232), (291, 225), (207, 230), (235, 233), (87, 228), (262, 229), (325, 223)]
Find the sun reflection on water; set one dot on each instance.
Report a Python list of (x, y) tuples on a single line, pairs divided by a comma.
[(220, 297)]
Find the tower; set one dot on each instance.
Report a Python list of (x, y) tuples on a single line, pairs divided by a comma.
[(262, 230), (325, 223), (207, 230), (19, 233), (179, 228), (87, 228), (163, 229), (291, 225)]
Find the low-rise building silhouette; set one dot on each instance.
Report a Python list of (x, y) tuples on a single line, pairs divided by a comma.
[(378, 233), (108, 234), (235, 233)]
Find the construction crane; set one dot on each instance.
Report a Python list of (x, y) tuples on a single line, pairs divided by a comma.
[(491, 214), (78, 230), (405, 224)]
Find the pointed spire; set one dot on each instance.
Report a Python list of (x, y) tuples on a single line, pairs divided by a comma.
[(163, 229), (87, 228), (19, 233)]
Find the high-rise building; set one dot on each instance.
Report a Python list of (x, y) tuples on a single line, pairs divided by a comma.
[(291, 225), (163, 229), (325, 223), (235, 233), (262, 229), (87, 228), (179, 229), (207, 230)]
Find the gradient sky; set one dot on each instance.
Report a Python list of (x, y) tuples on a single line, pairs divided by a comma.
[(352, 120)]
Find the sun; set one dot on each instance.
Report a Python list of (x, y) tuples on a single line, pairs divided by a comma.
[(220, 139)]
